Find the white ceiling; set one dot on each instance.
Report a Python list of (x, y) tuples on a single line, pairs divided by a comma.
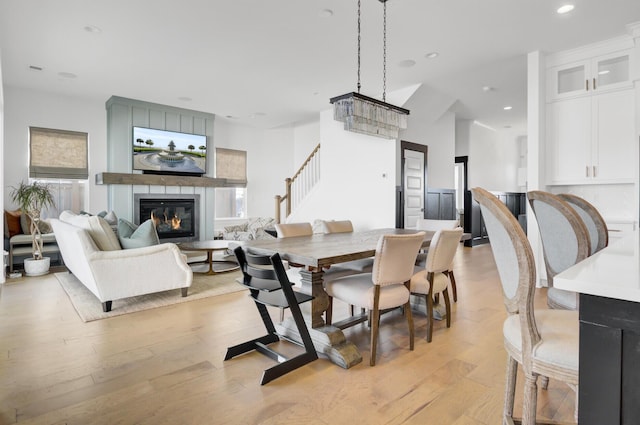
[(272, 63)]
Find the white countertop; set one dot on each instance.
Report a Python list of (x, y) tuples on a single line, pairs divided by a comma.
[(613, 272)]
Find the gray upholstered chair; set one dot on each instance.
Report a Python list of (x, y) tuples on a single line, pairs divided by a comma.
[(386, 287), (543, 341), (597, 227), (434, 278), (434, 226), (565, 241)]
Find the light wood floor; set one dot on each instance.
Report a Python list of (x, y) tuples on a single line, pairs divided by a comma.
[(165, 366)]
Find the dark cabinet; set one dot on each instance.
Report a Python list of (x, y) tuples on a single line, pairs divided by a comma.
[(516, 202)]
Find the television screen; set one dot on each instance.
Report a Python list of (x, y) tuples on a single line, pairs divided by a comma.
[(161, 151)]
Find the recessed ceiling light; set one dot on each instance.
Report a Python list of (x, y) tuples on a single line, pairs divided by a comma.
[(432, 55), (325, 13), (92, 29), (185, 99), (565, 8), (407, 63), (604, 72), (507, 126), (35, 68), (508, 108), (67, 75), (231, 117), (487, 88)]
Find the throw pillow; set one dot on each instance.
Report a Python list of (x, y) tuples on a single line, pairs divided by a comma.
[(97, 227), (25, 225), (132, 236), (12, 223)]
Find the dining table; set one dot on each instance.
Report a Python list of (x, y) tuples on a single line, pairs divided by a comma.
[(608, 283), (316, 254)]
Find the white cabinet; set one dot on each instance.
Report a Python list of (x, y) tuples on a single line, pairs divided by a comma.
[(591, 139), (594, 75)]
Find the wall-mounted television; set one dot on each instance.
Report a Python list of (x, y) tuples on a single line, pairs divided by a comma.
[(169, 152)]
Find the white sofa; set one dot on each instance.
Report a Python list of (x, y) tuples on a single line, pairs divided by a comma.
[(91, 252)]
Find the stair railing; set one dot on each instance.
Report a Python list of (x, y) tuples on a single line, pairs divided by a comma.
[(299, 186)]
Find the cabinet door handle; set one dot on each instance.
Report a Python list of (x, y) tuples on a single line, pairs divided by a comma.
[(595, 171), (587, 170), (586, 82), (594, 83)]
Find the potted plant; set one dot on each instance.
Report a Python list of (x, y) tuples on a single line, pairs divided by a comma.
[(32, 199)]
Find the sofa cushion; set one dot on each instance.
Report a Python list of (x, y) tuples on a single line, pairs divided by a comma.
[(12, 223), (98, 228), (133, 236)]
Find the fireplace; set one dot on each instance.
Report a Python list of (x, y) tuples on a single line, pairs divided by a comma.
[(175, 216)]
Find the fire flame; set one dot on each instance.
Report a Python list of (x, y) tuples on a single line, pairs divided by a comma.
[(174, 222)]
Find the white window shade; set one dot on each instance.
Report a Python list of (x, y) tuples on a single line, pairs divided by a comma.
[(231, 164), (58, 154)]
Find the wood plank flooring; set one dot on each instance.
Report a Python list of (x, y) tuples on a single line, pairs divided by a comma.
[(165, 366)]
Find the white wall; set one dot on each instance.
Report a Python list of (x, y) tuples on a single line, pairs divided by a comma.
[(357, 179), (2, 278), (494, 157), (306, 138), (269, 161), (431, 123), (25, 108)]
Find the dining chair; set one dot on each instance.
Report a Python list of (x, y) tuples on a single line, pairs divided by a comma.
[(597, 227), (543, 341), (434, 278), (340, 226), (385, 288), (434, 226), (290, 230), (266, 279), (565, 241)]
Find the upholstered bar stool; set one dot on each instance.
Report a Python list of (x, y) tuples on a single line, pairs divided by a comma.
[(597, 227)]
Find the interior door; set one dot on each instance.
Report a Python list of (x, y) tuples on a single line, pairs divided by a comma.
[(414, 182)]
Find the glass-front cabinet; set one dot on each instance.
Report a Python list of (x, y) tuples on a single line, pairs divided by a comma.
[(594, 75)]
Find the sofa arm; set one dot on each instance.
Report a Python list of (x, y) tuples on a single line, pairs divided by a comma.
[(131, 272)]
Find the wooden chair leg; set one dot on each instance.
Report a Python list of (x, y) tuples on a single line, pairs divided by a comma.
[(375, 319), (429, 316), (407, 310), (454, 289), (530, 399), (447, 303), (510, 387)]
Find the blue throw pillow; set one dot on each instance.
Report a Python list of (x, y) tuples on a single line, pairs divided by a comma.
[(132, 236)]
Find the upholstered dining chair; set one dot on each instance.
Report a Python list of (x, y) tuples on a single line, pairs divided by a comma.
[(565, 241), (434, 226), (434, 278), (291, 230), (597, 227), (386, 287), (543, 341)]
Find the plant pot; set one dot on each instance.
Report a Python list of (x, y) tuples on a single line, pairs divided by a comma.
[(34, 267)]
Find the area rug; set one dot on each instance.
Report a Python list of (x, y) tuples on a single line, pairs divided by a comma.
[(89, 308)]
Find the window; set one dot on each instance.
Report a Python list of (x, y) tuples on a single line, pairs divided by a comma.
[(231, 200), (59, 158)]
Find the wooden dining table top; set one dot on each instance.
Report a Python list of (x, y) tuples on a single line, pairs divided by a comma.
[(321, 250)]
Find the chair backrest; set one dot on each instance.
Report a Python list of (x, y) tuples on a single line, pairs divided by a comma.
[(442, 249), (565, 238), (596, 225), (514, 261), (342, 226), (435, 225), (395, 258), (289, 230)]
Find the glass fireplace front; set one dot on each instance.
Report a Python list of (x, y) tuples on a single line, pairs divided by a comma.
[(175, 216)]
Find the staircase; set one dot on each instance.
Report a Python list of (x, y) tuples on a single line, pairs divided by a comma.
[(300, 185)]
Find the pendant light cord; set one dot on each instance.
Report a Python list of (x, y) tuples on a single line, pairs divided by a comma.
[(384, 53), (359, 46)]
